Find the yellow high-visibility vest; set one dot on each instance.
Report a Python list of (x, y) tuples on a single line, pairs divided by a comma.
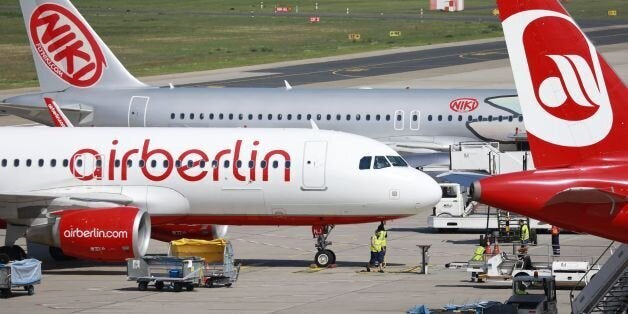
[(382, 237), (525, 232), (376, 244), (478, 255)]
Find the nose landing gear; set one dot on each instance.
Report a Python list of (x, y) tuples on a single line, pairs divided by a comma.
[(323, 257)]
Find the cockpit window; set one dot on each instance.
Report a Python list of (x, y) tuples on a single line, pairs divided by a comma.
[(380, 162), (397, 161), (365, 162)]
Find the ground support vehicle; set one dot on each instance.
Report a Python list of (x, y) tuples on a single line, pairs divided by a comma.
[(219, 267), (166, 271), (506, 267), (534, 294), (22, 274), (456, 212)]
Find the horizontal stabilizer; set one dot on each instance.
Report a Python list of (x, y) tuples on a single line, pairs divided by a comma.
[(41, 114), (585, 195), (84, 197)]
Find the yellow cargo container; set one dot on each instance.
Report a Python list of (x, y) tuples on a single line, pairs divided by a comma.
[(212, 251)]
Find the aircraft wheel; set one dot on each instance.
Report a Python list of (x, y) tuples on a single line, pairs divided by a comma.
[(333, 257), (30, 289), (323, 258)]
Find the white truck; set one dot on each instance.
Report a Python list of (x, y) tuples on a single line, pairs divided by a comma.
[(504, 267), (456, 212)]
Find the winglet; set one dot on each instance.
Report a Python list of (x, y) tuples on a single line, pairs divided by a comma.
[(288, 86), (58, 118), (314, 126)]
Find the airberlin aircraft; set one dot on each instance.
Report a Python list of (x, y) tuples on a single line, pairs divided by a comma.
[(101, 193), (78, 71), (576, 115)]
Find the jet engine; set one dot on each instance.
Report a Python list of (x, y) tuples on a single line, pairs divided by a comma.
[(170, 232), (102, 234)]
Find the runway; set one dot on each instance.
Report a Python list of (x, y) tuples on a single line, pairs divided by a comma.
[(276, 275)]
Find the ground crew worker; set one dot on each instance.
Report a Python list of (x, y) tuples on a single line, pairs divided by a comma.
[(383, 236), (524, 232), (478, 255), (555, 240), (376, 250)]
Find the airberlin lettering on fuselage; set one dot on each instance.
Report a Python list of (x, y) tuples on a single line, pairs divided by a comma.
[(184, 165)]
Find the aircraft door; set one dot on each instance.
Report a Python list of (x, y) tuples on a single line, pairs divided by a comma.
[(314, 160), (137, 111), (87, 167), (398, 120), (415, 120)]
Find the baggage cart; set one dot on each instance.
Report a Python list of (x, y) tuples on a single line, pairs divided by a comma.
[(166, 272), (22, 274), (219, 268)]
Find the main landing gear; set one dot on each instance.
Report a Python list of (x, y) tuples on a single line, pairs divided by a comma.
[(323, 257)]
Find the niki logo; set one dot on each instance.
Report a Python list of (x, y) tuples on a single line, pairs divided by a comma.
[(559, 78), (464, 104), (66, 46)]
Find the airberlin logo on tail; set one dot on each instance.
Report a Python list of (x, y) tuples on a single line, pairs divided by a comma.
[(559, 79), (66, 46)]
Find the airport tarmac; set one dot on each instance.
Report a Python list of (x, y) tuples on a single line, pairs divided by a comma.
[(276, 275)]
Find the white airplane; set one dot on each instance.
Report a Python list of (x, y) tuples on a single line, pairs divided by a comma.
[(77, 69), (101, 193)]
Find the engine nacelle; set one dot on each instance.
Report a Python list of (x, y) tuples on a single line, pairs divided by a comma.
[(170, 232), (102, 234)]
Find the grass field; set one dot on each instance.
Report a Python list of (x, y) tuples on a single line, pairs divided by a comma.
[(160, 36)]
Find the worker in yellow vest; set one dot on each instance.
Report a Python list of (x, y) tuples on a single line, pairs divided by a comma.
[(383, 236), (524, 232), (376, 250)]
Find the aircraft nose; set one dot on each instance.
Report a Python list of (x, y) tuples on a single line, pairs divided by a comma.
[(426, 193)]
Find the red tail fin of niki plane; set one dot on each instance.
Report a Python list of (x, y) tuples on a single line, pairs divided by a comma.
[(573, 103)]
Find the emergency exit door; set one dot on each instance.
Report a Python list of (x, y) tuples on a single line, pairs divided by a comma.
[(314, 159), (137, 111)]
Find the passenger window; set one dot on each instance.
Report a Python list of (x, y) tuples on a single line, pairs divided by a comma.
[(287, 164), (250, 117), (440, 117), (190, 164), (289, 116), (470, 118), (98, 163), (348, 117), (365, 162), (177, 164), (214, 164), (211, 116), (368, 117), (387, 117), (299, 117), (4, 162), (377, 117), (500, 118), (480, 118), (240, 116), (328, 117), (270, 116), (182, 116), (262, 164), (239, 164), (520, 118), (279, 116), (226, 164), (399, 117), (191, 116), (40, 162), (510, 119), (260, 116), (490, 118), (172, 115), (16, 162), (459, 117), (231, 116), (141, 163), (29, 162), (397, 161), (357, 117), (251, 164), (201, 116), (338, 117), (65, 163), (153, 163), (429, 118), (380, 162), (53, 163), (165, 164), (275, 164), (201, 164), (221, 116), (449, 118), (318, 117), (309, 117), (414, 117)]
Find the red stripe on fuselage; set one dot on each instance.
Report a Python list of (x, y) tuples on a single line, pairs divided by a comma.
[(269, 220)]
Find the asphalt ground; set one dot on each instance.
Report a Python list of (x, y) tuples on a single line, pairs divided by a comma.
[(276, 275)]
